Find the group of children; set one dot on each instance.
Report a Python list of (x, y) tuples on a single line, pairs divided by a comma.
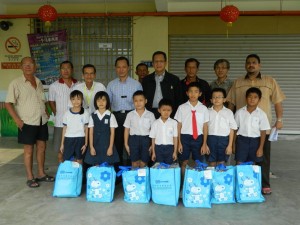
[(208, 134)]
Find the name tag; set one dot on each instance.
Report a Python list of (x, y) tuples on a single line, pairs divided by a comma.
[(106, 121)]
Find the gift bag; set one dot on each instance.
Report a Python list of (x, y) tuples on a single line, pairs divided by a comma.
[(100, 184), (165, 183), (68, 179), (248, 183), (223, 184), (196, 187), (136, 185)]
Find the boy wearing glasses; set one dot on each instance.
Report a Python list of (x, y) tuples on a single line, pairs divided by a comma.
[(221, 126)]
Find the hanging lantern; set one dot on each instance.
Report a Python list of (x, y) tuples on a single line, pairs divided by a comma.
[(47, 14), (229, 14)]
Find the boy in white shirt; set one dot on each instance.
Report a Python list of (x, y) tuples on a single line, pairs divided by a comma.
[(137, 129), (221, 128), (164, 135), (252, 124), (192, 118)]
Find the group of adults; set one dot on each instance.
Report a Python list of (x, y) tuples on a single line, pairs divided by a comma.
[(26, 102)]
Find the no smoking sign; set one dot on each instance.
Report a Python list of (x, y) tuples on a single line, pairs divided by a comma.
[(12, 45)]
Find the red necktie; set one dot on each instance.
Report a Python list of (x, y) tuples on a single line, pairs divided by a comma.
[(194, 125)]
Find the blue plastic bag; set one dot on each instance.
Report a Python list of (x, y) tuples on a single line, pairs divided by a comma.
[(100, 184), (68, 180), (248, 184), (196, 192), (223, 185), (165, 183), (136, 185)]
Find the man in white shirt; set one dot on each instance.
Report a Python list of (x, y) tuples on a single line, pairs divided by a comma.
[(59, 98), (89, 88)]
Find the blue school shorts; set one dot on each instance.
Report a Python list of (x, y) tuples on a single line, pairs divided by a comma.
[(217, 146), (190, 145), (139, 148), (246, 148), (164, 153), (72, 147)]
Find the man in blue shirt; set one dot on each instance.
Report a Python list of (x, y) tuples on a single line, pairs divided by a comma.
[(120, 92)]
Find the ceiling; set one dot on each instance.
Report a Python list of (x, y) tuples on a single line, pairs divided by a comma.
[(175, 5)]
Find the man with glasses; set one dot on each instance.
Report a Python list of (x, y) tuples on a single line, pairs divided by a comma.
[(221, 68), (161, 84), (89, 88), (25, 102)]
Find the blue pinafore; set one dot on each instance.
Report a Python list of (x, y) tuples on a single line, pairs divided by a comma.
[(101, 138)]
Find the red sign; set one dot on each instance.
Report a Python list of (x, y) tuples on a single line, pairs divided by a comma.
[(10, 65)]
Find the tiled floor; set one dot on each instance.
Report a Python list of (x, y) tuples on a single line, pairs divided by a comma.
[(22, 205)]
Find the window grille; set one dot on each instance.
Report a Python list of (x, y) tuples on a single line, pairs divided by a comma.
[(95, 40)]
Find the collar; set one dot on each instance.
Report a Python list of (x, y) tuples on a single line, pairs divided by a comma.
[(163, 121), (107, 112), (187, 82), (222, 82), (24, 79), (258, 76), (193, 107), (60, 80)]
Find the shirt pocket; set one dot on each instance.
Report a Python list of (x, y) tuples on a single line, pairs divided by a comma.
[(170, 132), (223, 123), (146, 123), (255, 122)]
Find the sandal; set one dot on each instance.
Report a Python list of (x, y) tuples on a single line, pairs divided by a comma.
[(266, 191), (45, 178), (32, 183)]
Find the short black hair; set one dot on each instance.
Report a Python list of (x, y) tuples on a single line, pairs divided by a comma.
[(219, 61), (78, 94), (66, 62), (122, 58), (141, 64), (218, 89), (101, 94), (139, 92), (193, 84), (88, 66), (253, 56), (192, 60), (166, 102), (254, 90), (159, 53)]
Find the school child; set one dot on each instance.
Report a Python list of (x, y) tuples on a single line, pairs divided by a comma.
[(192, 118), (137, 128), (164, 135), (252, 123), (74, 135), (221, 126), (102, 126)]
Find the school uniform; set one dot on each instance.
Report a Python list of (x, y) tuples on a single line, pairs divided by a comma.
[(189, 144), (219, 126), (164, 132), (248, 134), (101, 138), (139, 130), (74, 135)]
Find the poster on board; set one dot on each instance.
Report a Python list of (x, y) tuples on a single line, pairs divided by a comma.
[(48, 50)]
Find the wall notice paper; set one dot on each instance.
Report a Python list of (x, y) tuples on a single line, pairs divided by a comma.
[(48, 50)]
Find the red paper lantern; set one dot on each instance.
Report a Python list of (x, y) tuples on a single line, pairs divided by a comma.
[(48, 14), (229, 14)]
